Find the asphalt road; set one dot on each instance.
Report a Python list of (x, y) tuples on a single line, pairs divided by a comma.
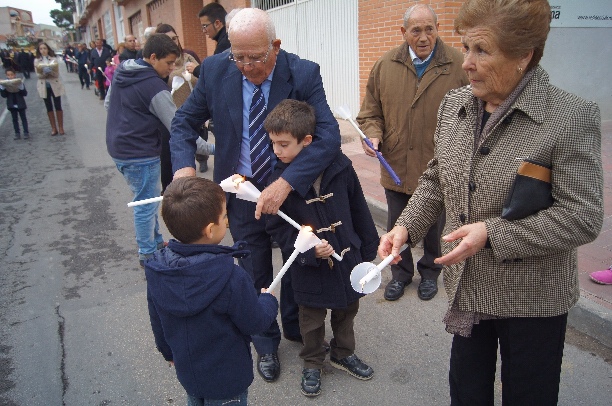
[(74, 328)]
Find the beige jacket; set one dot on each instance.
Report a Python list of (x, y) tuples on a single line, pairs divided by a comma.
[(400, 110), (531, 269), (53, 78), (182, 93)]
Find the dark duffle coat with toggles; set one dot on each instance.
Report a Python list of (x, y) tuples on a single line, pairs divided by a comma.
[(531, 269), (314, 283)]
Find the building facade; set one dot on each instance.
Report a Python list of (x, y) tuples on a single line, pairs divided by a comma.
[(114, 19), (346, 37)]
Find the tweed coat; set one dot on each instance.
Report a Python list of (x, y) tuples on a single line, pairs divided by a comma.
[(56, 84), (343, 204), (400, 109), (531, 268)]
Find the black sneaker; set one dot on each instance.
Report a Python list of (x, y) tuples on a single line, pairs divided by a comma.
[(354, 366), (17, 137), (311, 382)]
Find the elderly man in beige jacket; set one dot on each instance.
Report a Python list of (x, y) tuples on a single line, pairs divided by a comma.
[(398, 114)]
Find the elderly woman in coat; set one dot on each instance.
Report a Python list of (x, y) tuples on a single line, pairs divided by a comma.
[(49, 86), (510, 268)]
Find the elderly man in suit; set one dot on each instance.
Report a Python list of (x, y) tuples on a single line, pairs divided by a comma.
[(256, 74), (98, 57)]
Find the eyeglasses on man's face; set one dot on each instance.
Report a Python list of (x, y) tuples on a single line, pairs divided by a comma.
[(205, 26), (239, 60)]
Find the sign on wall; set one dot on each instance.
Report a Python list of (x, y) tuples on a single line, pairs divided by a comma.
[(585, 13)]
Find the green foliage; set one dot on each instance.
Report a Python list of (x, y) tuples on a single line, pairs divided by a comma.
[(63, 18), (67, 5)]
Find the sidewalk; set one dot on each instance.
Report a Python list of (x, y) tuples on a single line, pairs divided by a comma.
[(593, 313)]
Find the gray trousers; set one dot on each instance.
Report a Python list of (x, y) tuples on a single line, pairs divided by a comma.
[(404, 270)]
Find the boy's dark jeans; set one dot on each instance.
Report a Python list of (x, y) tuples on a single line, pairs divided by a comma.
[(16, 113), (312, 327)]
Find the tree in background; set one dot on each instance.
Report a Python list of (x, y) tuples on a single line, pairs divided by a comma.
[(64, 18)]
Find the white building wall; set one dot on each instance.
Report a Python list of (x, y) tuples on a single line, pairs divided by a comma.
[(325, 32), (578, 60)]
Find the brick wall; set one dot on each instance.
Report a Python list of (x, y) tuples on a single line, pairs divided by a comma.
[(192, 36), (379, 29), (228, 5)]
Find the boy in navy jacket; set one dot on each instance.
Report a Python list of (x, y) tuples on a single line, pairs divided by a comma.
[(336, 209), (203, 307), (15, 103)]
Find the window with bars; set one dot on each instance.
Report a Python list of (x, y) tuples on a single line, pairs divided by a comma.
[(270, 4)]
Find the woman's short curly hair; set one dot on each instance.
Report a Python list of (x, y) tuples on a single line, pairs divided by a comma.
[(518, 25)]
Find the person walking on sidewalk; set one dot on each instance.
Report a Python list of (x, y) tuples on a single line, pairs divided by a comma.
[(15, 103), (23, 60), (398, 114), (82, 57), (517, 168), (50, 87), (98, 57)]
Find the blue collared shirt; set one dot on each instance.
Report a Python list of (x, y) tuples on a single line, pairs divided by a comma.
[(244, 164), (416, 60)]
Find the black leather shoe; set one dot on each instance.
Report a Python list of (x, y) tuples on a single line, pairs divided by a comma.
[(203, 166), (427, 289), (395, 289), (354, 366), (268, 367), (311, 382)]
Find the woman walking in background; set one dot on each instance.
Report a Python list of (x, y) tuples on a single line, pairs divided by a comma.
[(49, 86)]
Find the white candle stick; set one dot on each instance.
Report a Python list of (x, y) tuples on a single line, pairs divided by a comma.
[(304, 241), (375, 271), (283, 270), (145, 201), (366, 277), (245, 190)]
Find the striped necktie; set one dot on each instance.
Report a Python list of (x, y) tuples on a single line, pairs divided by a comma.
[(259, 140)]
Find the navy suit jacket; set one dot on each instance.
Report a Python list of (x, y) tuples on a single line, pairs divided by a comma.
[(99, 61), (218, 96)]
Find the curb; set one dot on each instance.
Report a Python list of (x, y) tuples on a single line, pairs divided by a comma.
[(586, 316), (592, 319)]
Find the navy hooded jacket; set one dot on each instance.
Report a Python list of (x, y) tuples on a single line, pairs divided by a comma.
[(15, 101), (139, 106), (203, 311)]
